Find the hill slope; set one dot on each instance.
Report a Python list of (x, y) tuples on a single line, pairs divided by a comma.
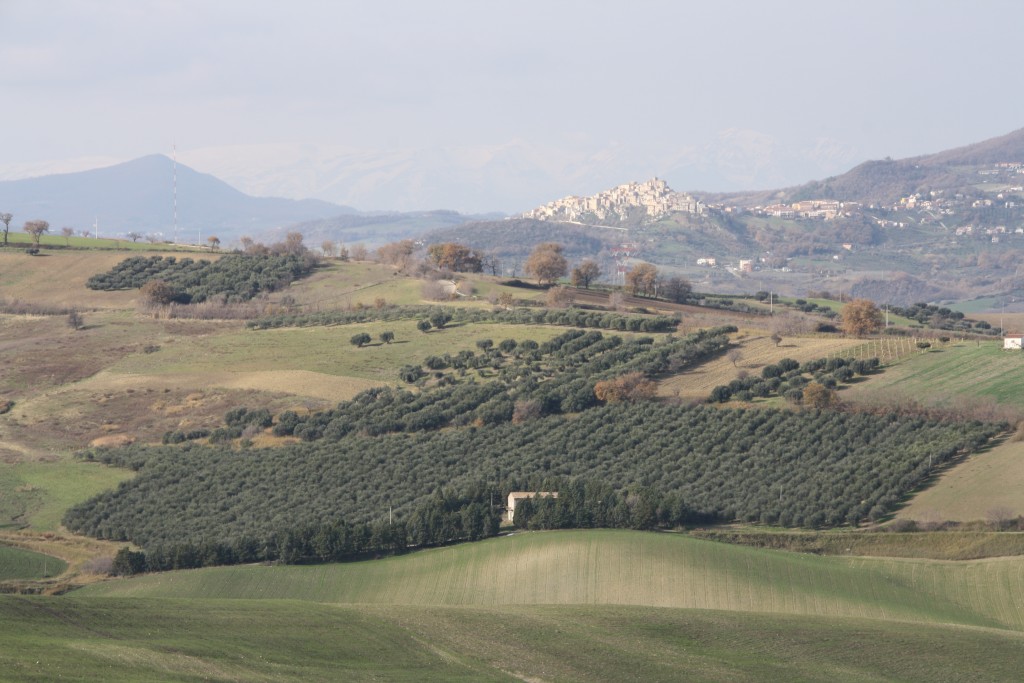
[(886, 181), (625, 568), (83, 639)]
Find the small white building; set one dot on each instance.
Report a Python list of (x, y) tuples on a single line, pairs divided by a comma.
[(516, 496), (1013, 341)]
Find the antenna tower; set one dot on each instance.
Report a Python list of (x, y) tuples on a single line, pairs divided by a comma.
[(622, 253), (174, 155)]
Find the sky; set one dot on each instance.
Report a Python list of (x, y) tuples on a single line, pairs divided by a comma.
[(714, 95)]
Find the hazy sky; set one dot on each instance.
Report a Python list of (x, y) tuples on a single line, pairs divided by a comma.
[(871, 78)]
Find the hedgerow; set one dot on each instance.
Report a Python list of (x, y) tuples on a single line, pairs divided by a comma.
[(523, 316)]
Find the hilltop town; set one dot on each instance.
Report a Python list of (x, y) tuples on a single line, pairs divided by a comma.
[(652, 200)]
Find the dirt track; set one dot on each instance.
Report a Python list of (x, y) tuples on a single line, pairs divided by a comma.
[(601, 299)]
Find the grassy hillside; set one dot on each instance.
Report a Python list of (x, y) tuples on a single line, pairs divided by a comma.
[(966, 370), (987, 486), (17, 563), (80, 639), (626, 568), (31, 278)]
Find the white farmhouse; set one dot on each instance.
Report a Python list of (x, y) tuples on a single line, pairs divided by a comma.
[(516, 496), (1013, 341)]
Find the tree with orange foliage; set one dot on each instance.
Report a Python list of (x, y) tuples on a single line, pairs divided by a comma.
[(547, 263), (456, 257), (630, 387), (861, 317), (642, 280)]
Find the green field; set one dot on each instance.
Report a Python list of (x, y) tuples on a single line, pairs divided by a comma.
[(626, 568), (17, 563), (80, 639), (555, 606), (54, 239), (955, 371), (36, 494), (324, 350)]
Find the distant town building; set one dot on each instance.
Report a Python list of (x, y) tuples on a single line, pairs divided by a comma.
[(1013, 341), (746, 265)]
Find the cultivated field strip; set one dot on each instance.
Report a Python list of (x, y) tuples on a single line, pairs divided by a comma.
[(628, 568)]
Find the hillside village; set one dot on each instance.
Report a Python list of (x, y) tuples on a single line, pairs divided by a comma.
[(984, 204), (654, 197)]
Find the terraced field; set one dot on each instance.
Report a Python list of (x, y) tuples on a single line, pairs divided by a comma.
[(627, 568)]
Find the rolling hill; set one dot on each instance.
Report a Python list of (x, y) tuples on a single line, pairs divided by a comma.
[(886, 181)]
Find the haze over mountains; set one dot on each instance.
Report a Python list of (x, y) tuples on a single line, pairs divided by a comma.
[(139, 196), (511, 177)]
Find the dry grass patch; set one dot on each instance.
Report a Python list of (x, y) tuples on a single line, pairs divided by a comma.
[(29, 278), (975, 489), (755, 353)]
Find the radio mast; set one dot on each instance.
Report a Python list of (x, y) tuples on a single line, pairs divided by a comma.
[(174, 156)]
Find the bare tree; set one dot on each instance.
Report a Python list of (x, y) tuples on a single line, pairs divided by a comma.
[(560, 297), (36, 229), (6, 218), (491, 264), (435, 290), (75, 320), (734, 356), (67, 233), (328, 248), (136, 236), (293, 243), (358, 252), (585, 273)]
